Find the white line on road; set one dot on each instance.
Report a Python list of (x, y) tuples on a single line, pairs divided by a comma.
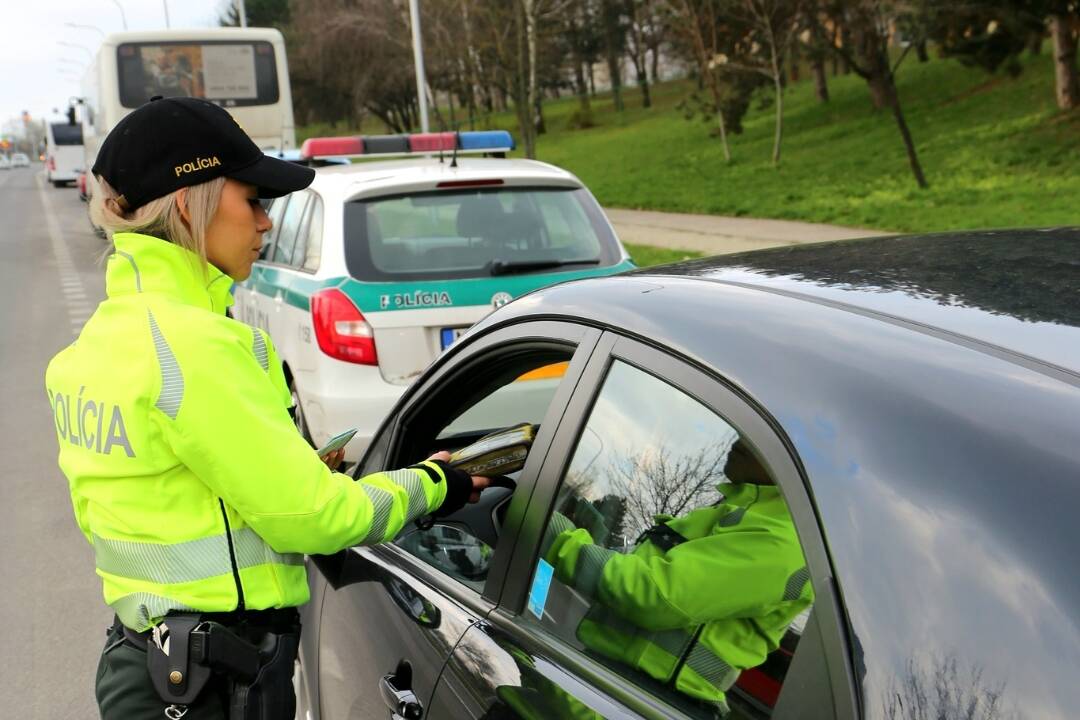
[(72, 284)]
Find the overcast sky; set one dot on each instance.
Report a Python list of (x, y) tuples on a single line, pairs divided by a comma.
[(38, 74)]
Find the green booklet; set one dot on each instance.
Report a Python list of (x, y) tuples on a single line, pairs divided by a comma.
[(499, 453)]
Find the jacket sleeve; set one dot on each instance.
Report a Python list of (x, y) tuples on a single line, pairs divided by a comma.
[(232, 430), (719, 576)]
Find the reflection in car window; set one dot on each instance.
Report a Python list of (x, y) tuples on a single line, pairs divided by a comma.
[(671, 556), (462, 544)]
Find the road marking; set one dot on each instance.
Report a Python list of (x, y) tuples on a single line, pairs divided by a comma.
[(75, 293)]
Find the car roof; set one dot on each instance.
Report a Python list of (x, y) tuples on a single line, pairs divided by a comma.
[(1011, 291), (424, 172)]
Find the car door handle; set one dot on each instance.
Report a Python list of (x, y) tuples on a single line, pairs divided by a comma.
[(402, 702), (278, 299)]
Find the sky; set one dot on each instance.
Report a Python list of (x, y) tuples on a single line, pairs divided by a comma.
[(38, 74)]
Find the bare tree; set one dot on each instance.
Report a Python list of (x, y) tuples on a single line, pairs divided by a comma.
[(1064, 28), (644, 28), (656, 482), (939, 689), (696, 22)]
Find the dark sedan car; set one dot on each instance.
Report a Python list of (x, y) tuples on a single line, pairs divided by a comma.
[(829, 481)]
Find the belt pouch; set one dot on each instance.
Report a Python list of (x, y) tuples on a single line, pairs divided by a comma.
[(177, 677), (270, 696)]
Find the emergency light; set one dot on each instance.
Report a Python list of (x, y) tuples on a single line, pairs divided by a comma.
[(482, 141)]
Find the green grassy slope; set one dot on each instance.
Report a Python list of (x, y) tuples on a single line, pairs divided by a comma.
[(996, 152)]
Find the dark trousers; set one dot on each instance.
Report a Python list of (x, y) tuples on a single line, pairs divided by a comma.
[(124, 691)]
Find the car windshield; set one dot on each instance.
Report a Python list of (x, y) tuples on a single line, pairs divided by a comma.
[(476, 233)]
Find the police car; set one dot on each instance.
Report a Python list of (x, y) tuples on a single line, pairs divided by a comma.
[(377, 267)]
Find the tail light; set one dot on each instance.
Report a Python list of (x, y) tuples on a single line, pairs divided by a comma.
[(341, 330), (52, 163)]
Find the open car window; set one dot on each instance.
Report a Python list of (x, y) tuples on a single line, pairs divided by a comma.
[(515, 390)]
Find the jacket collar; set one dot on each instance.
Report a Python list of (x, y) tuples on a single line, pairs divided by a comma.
[(145, 264)]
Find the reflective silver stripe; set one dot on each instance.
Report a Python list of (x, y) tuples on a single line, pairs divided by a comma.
[(172, 380), (795, 583), (252, 550), (182, 562), (138, 277), (163, 563), (410, 481), (558, 524), (259, 348), (382, 504), (711, 667), (672, 641), (590, 564), (732, 518), (139, 611)]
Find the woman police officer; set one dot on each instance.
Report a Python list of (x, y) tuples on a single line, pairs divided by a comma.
[(187, 475)]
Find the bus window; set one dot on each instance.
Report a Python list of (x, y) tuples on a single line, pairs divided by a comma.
[(230, 73)]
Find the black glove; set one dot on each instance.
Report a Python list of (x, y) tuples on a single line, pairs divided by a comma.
[(459, 486)]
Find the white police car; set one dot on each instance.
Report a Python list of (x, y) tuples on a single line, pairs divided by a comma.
[(378, 267)]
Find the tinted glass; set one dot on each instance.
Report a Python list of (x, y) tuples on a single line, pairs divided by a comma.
[(290, 228), (462, 544), (464, 234), (65, 134), (230, 73), (670, 555)]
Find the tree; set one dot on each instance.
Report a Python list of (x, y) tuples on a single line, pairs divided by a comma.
[(870, 23), (614, 33), (260, 13), (643, 29)]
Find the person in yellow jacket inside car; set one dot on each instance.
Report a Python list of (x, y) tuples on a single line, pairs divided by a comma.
[(187, 475), (701, 597)]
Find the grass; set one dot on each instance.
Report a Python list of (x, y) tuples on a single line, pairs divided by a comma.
[(995, 150), (646, 255)]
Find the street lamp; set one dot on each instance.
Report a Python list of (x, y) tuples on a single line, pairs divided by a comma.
[(418, 62), (98, 30), (77, 45), (123, 16)]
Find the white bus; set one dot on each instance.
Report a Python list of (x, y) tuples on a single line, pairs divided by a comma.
[(63, 152), (242, 69)]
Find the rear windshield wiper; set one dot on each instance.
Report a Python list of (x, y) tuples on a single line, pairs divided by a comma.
[(510, 267)]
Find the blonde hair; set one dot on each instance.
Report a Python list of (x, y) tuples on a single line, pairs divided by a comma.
[(160, 217)]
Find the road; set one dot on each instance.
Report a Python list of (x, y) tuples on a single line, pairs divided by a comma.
[(51, 278), (714, 234)]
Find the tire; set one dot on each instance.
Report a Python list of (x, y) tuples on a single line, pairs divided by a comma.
[(58, 183), (298, 414)]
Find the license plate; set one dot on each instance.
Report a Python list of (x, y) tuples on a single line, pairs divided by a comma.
[(450, 336)]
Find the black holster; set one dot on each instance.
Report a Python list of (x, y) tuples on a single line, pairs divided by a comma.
[(259, 675)]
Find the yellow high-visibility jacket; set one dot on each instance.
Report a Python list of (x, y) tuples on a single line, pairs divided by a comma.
[(187, 474)]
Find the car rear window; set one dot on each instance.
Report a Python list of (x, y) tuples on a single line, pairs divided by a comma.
[(64, 134), (476, 233)]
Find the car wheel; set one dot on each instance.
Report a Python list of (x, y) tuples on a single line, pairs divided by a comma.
[(298, 414)]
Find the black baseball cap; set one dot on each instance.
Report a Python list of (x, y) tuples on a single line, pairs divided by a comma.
[(176, 142)]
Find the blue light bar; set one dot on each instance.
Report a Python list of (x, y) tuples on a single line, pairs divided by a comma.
[(486, 140)]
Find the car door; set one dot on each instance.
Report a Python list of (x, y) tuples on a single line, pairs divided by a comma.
[(645, 435), (388, 616)]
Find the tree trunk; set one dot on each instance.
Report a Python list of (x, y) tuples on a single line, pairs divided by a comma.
[(793, 63), (522, 96), (615, 75), (1035, 42), (592, 80), (1066, 84), (821, 85), (879, 90), (909, 144), (920, 51), (533, 97), (778, 77), (655, 49), (580, 87)]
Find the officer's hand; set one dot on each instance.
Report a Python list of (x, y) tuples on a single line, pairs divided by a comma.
[(334, 459), (479, 482)]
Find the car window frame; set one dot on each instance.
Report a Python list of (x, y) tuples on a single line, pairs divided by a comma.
[(419, 403), (752, 422), (271, 243), (309, 215)]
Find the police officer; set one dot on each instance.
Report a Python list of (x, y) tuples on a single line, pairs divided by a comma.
[(187, 475)]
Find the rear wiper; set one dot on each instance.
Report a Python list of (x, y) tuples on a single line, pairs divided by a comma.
[(510, 267)]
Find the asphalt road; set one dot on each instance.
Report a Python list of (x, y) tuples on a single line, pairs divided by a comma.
[(54, 618)]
